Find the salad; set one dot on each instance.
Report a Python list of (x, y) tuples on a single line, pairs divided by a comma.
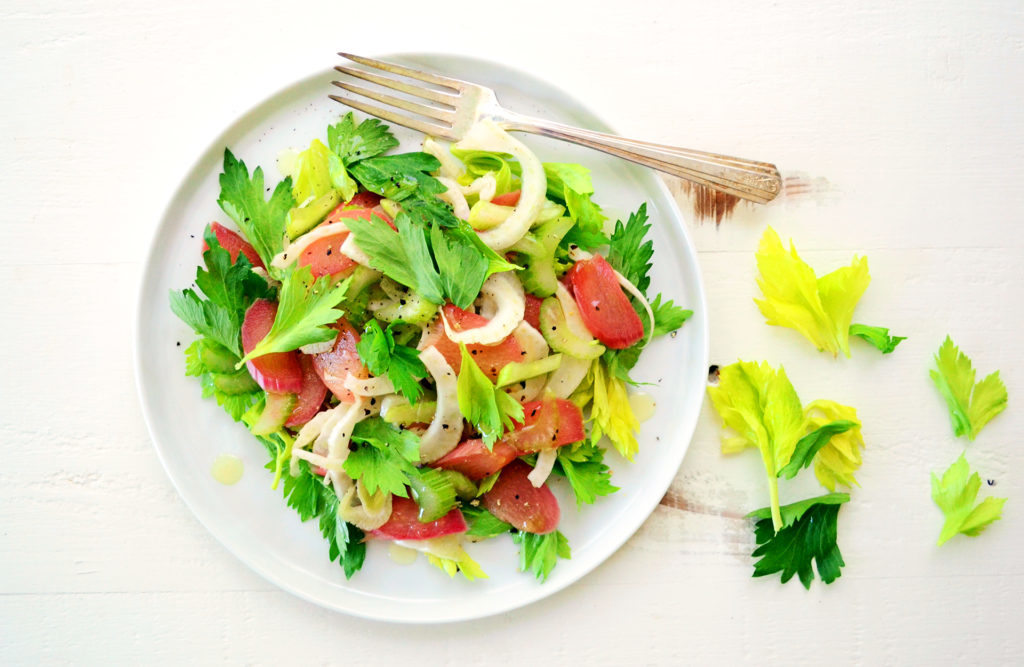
[(425, 342)]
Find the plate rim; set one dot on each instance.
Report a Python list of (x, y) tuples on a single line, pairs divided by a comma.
[(647, 505)]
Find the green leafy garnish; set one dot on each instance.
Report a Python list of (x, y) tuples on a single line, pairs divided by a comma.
[(955, 494), (402, 255), (398, 176), (809, 446), (352, 142), (261, 221), (312, 176), (490, 410), (759, 405), (482, 523), (571, 184), (307, 494), (229, 288), (630, 253), (305, 308), (877, 336), (611, 413), (540, 553), (971, 405), (401, 363), (582, 465), (794, 297), (385, 457), (807, 533)]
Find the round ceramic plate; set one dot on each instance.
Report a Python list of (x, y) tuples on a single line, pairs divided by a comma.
[(251, 519)]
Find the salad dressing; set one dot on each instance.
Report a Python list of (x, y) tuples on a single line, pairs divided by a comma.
[(643, 406), (227, 469), (402, 555)]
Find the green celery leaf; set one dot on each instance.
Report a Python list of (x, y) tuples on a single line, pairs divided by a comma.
[(807, 447), (261, 221), (583, 467), (877, 336), (312, 173), (628, 251), (483, 524), (971, 405), (379, 468), (955, 494), (808, 534), (305, 308), (490, 410), (462, 267), (383, 435), (540, 553), (403, 255)]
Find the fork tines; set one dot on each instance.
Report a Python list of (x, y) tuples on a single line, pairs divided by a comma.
[(428, 103)]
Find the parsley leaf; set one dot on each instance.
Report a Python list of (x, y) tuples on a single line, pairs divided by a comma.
[(462, 267), (261, 221), (808, 533), (385, 457), (758, 404), (540, 553), (352, 143), (971, 405), (401, 364), (402, 255), (583, 467), (628, 251), (490, 410), (229, 288), (398, 176), (955, 494), (305, 308), (482, 523), (877, 336)]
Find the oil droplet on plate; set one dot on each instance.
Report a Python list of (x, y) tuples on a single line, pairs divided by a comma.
[(402, 555), (643, 406), (227, 469)]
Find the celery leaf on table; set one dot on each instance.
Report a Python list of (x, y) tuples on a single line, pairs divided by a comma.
[(955, 494), (877, 336), (758, 404), (971, 405), (819, 308), (807, 535), (305, 308), (242, 198)]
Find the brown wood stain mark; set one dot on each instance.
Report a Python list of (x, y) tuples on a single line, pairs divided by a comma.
[(709, 204), (677, 501)]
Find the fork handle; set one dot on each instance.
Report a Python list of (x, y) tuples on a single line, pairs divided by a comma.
[(746, 179)]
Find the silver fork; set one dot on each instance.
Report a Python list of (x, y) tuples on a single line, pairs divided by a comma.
[(453, 113)]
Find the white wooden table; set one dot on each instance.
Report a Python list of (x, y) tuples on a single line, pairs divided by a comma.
[(906, 122)]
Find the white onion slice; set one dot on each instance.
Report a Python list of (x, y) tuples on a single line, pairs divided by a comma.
[(445, 429), (450, 167), (292, 251), (564, 379), (454, 196), (374, 386), (632, 289), (318, 348), (507, 293), (545, 462), (351, 249), (485, 135), (573, 319), (535, 347), (360, 514)]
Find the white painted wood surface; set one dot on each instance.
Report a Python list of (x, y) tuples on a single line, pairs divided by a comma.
[(906, 115)]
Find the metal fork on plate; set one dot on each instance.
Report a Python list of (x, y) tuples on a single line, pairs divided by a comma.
[(451, 112)]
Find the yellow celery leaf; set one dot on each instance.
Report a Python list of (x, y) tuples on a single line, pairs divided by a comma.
[(759, 408), (794, 297), (611, 413), (836, 462)]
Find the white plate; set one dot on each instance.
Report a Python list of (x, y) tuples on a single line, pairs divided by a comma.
[(253, 522)]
